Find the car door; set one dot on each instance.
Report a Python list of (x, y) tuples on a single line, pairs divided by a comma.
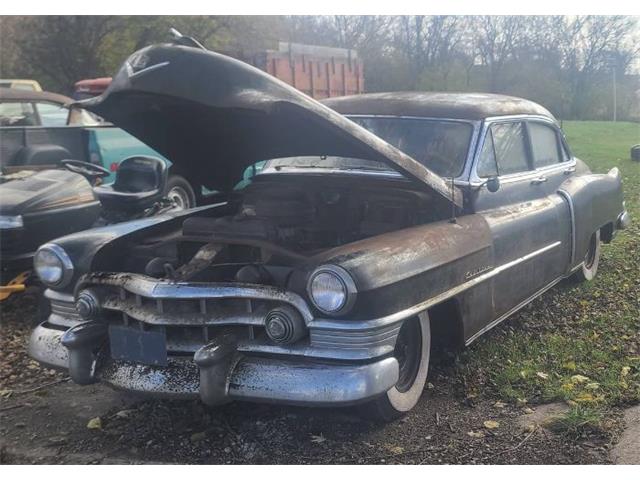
[(522, 216), (553, 166)]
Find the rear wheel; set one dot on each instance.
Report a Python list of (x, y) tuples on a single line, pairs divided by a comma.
[(412, 352), (181, 192), (589, 268)]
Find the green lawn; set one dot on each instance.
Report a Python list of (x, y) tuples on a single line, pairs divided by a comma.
[(577, 343)]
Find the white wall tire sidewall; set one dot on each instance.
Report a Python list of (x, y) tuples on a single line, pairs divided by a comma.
[(405, 401)]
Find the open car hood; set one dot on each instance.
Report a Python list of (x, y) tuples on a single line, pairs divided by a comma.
[(213, 116)]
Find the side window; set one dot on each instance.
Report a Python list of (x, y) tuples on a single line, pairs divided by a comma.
[(510, 148), (544, 144), (16, 114), (52, 115), (487, 166)]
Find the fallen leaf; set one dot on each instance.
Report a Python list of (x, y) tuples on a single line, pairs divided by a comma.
[(528, 410), (579, 379), (499, 404), (476, 434), (584, 398), (491, 424), (530, 428), (124, 413), (624, 372), (571, 366), (542, 375), (592, 386), (521, 402), (396, 450), (6, 393), (318, 438), (94, 424)]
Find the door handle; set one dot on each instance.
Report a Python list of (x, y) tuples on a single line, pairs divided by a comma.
[(569, 170), (538, 181)]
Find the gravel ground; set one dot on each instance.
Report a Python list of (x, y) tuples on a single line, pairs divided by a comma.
[(50, 424)]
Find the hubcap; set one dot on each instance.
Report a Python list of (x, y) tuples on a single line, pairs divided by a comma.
[(179, 197), (408, 352)]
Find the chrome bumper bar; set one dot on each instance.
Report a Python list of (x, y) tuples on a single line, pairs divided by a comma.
[(624, 220), (220, 378)]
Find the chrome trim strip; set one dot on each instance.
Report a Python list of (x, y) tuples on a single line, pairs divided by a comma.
[(572, 213), (133, 74), (326, 324), (59, 296)]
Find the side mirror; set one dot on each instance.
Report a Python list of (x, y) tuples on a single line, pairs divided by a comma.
[(493, 184)]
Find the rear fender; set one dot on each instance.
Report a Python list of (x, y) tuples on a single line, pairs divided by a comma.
[(595, 201)]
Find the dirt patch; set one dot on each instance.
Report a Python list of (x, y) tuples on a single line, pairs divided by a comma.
[(541, 415)]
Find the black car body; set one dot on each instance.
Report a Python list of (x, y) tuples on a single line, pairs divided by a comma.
[(324, 280)]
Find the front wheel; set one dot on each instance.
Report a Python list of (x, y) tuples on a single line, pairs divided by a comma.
[(180, 191), (589, 267), (413, 348)]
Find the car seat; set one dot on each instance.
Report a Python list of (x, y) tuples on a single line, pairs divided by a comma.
[(140, 182)]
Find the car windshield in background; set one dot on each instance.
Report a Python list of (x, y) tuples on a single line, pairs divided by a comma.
[(439, 145)]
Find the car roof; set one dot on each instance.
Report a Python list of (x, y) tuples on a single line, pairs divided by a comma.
[(469, 106), (18, 95)]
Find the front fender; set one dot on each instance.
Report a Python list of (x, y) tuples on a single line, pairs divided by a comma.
[(401, 269)]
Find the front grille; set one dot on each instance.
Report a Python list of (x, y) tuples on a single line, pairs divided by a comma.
[(191, 315)]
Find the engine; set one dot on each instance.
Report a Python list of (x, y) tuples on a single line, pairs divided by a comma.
[(281, 220)]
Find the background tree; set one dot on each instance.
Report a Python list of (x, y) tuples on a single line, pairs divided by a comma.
[(565, 63)]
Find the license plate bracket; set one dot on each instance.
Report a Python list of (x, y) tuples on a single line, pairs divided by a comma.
[(148, 347)]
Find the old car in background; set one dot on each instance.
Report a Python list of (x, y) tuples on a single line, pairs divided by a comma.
[(39, 205), (39, 129), (90, 87), (20, 84), (379, 223)]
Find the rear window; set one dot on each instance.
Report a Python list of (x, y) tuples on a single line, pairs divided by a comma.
[(545, 146)]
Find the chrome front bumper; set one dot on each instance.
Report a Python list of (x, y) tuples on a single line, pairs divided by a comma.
[(339, 362), (243, 377)]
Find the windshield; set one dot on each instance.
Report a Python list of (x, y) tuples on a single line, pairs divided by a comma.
[(439, 145)]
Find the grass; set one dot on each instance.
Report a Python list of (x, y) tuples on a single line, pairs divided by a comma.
[(577, 343)]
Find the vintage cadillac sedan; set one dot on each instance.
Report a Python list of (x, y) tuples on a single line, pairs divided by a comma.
[(377, 225)]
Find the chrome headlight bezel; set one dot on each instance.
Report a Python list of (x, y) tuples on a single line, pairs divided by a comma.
[(346, 283), (11, 222), (65, 265)]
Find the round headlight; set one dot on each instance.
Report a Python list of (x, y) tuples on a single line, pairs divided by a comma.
[(53, 265), (331, 289)]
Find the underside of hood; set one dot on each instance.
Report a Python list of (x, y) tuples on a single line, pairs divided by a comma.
[(213, 116)]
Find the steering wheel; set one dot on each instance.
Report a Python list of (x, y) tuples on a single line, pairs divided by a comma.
[(86, 169)]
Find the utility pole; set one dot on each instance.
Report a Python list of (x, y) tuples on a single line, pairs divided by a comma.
[(615, 102)]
